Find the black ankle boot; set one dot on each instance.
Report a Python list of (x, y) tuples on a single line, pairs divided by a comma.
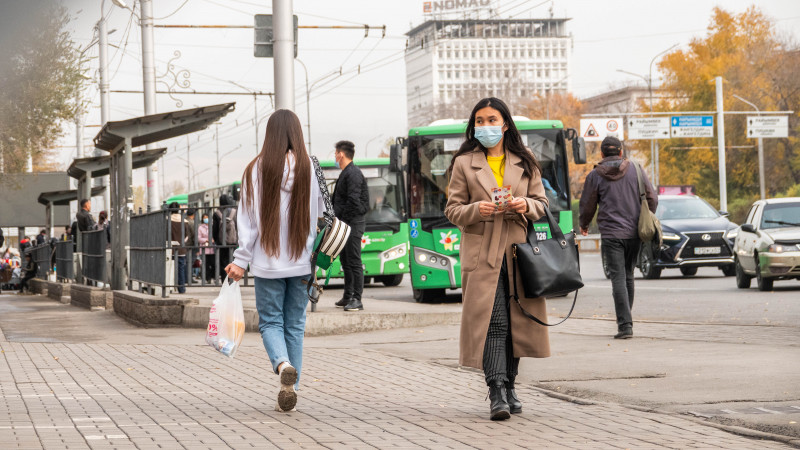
[(513, 401), (499, 402)]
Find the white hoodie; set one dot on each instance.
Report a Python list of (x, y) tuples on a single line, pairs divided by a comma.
[(250, 251)]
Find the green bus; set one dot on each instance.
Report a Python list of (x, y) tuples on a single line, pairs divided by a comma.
[(384, 245), (424, 157), (181, 199), (210, 196)]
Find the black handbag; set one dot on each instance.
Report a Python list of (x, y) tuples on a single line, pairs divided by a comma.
[(549, 267)]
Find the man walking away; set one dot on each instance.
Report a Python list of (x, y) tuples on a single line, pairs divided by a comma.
[(350, 204), (614, 186), (180, 228)]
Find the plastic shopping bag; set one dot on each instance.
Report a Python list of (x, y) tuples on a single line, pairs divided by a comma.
[(226, 320)]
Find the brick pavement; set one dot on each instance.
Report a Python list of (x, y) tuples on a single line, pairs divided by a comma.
[(57, 395)]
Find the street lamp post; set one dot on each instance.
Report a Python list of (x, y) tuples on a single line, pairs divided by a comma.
[(654, 146), (367, 144), (761, 180), (308, 105)]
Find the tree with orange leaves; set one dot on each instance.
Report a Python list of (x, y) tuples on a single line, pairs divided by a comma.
[(757, 65)]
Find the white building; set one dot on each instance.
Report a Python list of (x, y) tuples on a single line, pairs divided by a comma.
[(456, 62)]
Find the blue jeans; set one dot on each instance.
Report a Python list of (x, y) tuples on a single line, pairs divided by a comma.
[(281, 304), (181, 274)]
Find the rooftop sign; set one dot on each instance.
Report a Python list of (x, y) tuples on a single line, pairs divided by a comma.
[(445, 6)]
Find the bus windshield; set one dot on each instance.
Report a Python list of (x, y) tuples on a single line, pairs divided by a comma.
[(429, 158), (385, 196)]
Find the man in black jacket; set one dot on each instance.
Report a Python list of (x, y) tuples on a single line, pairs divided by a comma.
[(84, 217), (350, 204), (614, 185)]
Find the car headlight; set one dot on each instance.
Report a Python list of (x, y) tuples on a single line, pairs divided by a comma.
[(731, 234), (780, 248), (670, 237)]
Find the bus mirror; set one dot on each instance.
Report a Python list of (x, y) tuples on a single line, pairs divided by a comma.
[(579, 150), (394, 157)]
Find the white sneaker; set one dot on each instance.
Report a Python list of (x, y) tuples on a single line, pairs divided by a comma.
[(287, 397)]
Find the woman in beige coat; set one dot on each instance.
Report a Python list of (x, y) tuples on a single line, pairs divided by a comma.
[(494, 332)]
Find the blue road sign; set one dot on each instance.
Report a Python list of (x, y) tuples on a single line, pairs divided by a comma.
[(692, 126), (413, 224), (414, 233)]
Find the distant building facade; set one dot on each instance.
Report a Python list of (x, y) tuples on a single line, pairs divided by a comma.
[(450, 64)]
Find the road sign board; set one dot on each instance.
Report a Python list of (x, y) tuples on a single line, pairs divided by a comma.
[(767, 126), (648, 128), (598, 129), (264, 36), (692, 126)]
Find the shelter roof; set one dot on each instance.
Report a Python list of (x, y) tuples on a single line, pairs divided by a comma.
[(99, 166), (64, 197), (145, 130)]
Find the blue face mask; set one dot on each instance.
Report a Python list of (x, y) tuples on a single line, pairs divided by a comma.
[(489, 136), (205, 220)]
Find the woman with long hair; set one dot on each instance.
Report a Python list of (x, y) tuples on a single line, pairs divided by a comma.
[(494, 333), (276, 218)]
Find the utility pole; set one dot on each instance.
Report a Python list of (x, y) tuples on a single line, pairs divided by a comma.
[(723, 188), (255, 119), (105, 104), (308, 105), (283, 50), (217, 134), (188, 167), (761, 187), (149, 81)]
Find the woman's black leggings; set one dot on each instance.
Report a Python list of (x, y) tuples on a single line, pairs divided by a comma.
[(499, 363)]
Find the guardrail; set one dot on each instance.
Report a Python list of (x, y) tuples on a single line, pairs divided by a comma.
[(65, 264), (41, 256), (155, 253), (94, 264)]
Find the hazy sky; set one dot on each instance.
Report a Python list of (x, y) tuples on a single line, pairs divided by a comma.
[(368, 108)]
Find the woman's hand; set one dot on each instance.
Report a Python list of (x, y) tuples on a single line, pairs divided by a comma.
[(518, 205), (486, 208), (235, 272)]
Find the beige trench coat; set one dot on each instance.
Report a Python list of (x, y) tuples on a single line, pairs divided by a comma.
[(484, 241)]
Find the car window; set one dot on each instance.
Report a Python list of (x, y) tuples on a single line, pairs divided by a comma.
[(780, 215), (684, 208), (750, 214)]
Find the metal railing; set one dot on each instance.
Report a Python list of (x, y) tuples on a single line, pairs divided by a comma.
[(161, 246), (93, 255), (41, 255), (65, 264)]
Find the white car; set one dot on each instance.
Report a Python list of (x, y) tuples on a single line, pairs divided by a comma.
[(768, 244)]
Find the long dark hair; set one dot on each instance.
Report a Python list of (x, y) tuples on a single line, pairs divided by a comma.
[(284, 135), (512, 141)]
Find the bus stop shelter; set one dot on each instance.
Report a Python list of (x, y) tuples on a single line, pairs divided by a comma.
[(119, 138), (62, 198)]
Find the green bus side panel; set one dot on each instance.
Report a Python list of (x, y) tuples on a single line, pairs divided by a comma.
[(373, 244)]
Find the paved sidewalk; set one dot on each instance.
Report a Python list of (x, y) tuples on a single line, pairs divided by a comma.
[(58, 395)]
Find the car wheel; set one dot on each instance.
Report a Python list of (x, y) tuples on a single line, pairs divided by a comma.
[(764, 284), (729, 270), (689, 271), (647, 264), (742, 279), (606, 271), (391, 280), (428, 295)]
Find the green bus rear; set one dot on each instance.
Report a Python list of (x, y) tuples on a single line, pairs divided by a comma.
[(384, 245), (434, 241)]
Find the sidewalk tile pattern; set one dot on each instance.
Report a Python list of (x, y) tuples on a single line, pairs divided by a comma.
[(76, 396)]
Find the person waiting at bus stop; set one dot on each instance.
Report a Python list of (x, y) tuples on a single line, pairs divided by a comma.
[(495, 334), (182, 236), (350, 204)]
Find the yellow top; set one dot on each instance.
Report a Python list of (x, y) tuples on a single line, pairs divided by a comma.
[(498, 166)]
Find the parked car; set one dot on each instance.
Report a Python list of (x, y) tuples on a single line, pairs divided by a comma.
[(768, 244), (695, 235)]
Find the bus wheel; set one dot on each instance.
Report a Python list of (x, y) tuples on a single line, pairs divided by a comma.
[(391, 280), (428, 295)]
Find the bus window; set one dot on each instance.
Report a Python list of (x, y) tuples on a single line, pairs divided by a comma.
[(554, 167), (428, 163)]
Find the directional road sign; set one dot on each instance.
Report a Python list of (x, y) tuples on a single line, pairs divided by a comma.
[(648, 128), (598, 129), (692, 126), (767, 126)]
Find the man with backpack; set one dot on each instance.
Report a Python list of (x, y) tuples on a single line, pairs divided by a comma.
[(228, 234), (350, 204)]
